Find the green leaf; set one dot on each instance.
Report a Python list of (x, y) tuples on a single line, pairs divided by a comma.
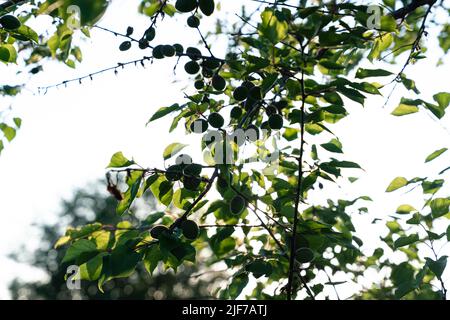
[(435, 154), (25, 32), (404, 109), (388, 23), (173, 149), (448, 233), (118, 160), (163, 112), (367, 73), (333, 146), (397, 183), (162, 190), (438, 266), (152, 258), (406, 240), (9, 132), (443, 99), (439, 207), (272, 28), (78, 249), (124, 259), (405, 209), (380, 44), (91, 270)]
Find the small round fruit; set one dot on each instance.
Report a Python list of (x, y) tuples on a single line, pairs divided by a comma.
[(237, 205), (143, 44), (276, 122), (191, 183), (216, 120), (193, 53), (304, 255), (240, 93), (130, 31), (259, 268), (124, 46), (207, 73), (183, 159), (270, 110), (199, 126), (211, 63), (206, 6), (158, 52), (265, 125), (236, 113), (150, 34), (192, 67), (178, 48), (248, 84), (193, 169), (255, 93), (193, 22), (218, 83), (186, 5), (168, 50), (199, 84), (190, 229), (10, 22), (157, 230), (174, 173)]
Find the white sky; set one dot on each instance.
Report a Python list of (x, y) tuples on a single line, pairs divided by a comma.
[(69, 135)]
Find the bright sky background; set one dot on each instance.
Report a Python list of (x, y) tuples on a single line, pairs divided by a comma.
[(69, 135)]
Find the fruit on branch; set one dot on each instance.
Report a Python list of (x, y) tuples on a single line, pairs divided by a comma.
[(10, 22), (304, 255), (192, 67), (124, 46), (158, 52), (271, 110), (190, 229), (193, 53), (191, 183), (218, 83), (143, 44), (255, 93), (168, 50), (193, 169), (276, 122), (237, 205), (240, 93), (174, 172), (150, 34), (193, 22), (211, 63), (199, 84), (207, 73), (130, 31), (178, 48), (206, 6), (158, 230), (216, 120), (236, 113), (199, 126), (186, 5)]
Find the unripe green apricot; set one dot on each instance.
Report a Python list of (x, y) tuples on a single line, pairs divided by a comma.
[(206, 6), (255, 93), (158, 52), (124, 46), (178, 48), (236, 113), (237, 205), (193, 53), (240, 93), (174, 173), (218, 83), (150, 34), (157, 230), (192, 67), (186, 5), (216, 120), (193, 169), (276, 122), (193, 22), (190, 229), (191, 183), (168, 50), (199, 84)]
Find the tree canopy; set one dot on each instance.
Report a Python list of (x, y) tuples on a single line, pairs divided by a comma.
[(264, 114)]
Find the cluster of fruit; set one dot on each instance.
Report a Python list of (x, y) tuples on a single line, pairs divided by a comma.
[(205, 6), (186, 171), (189, 228)]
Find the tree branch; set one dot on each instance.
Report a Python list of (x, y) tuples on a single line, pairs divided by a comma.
[(403, 12)]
